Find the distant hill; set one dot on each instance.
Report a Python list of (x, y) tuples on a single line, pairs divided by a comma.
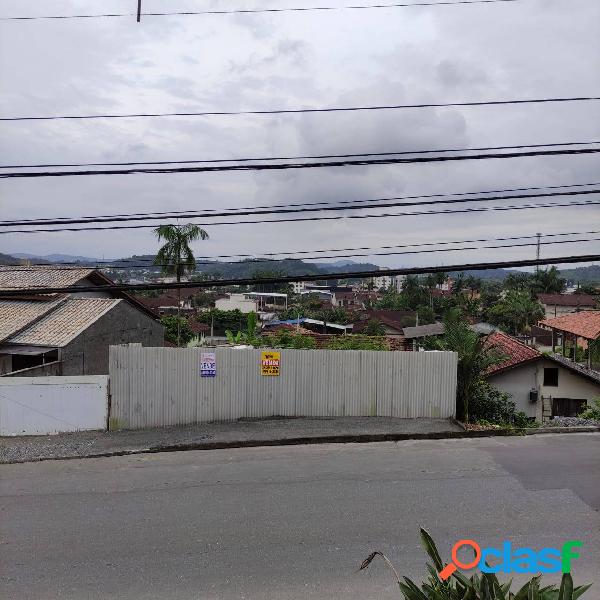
[(7, 259), (56, 258), (589, 274)]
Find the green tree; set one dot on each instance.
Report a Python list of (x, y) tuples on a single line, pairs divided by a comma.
[(474, 359), (520, 282), (374, 327), (176, 257), (516, 312), (547, 281), (426, 315), (177, 329)]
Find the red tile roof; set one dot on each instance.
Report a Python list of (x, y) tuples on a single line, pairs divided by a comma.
[(516, 352), (585, 324), (567, 300)]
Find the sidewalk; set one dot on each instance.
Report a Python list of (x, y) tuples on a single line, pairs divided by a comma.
[(266, 432), (241, 434)]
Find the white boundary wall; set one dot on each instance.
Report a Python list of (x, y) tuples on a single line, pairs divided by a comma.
[(49, 405), (154, 387)]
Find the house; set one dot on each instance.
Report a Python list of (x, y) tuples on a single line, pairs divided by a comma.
[(67, 334), (394, 322), (574, 331), (237, 302), (541, 386), (556, 305)]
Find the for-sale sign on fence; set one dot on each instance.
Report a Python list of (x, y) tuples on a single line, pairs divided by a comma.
[(270, 363), (208, 364)]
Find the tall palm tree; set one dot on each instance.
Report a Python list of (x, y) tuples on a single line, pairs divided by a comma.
[(176, 257)]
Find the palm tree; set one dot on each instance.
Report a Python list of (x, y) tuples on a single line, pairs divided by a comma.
[(175, 257), (475, 357)]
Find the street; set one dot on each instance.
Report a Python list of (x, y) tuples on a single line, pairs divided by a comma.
[(288, 522)]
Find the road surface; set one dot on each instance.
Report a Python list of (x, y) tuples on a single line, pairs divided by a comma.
[(287, 522)]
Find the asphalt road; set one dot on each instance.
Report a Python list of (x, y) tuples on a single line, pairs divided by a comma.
[(287, 522)]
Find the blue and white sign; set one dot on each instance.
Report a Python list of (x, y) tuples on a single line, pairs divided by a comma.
[(208, 364)]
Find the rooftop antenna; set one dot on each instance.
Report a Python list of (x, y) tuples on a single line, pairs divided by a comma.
[(139, 11)]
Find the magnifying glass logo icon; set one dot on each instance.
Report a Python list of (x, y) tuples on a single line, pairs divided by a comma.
[(458, 564)]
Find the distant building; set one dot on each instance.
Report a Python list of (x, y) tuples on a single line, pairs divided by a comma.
[(556, 305), (386, 282), (237, 302)]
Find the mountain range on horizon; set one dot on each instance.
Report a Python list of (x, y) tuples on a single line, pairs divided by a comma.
[(585, 274)]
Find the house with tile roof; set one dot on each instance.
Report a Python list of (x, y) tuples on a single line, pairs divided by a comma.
[(67, 334), (556, 305), (540, 385)]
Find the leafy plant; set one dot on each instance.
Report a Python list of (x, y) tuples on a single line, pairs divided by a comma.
[(483, 586), (234, 339), (288, 339), (177, 329), (474, 359), (357, 342), (592, 412)]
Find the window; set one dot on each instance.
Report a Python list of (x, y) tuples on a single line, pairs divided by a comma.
[(551, 377)]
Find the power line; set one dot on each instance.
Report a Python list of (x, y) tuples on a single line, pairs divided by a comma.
[(212, 259), (332, 218), (27, 268), (254, 11), (313, 165), (291, 111), (304, 157), (290, 279), (381, 203), (178, 214)]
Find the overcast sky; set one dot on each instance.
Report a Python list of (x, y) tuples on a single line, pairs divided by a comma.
[(525, 49)]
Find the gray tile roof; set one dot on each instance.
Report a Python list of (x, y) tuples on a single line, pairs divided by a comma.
[(17, 314), (68, 318), (25, 277)]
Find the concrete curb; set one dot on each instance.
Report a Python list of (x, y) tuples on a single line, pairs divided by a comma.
[(327, 439)]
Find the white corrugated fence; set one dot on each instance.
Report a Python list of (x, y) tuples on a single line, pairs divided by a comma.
[(154, 387)]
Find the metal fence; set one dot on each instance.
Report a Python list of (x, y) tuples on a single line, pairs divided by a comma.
[(154, 387)]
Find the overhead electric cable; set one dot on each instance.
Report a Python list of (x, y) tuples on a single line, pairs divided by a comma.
[(311, 165), (182, 213), (383, 203), (302, 219), (149, 262), (303, 157), (290, 279), (291, 111), (28, 268), (256, 10)]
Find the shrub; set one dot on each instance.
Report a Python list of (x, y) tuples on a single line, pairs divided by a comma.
[(491, 405), (356, 342), (477, 587), (592, 413), (185, 331), (288, 339)]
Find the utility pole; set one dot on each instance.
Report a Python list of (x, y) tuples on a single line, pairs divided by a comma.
[(537, 250), (139, 11)]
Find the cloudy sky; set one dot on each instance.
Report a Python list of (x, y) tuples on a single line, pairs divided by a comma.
[(524, 49)]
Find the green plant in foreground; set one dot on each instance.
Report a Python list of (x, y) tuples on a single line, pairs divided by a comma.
[(592, 412), (477, 587)]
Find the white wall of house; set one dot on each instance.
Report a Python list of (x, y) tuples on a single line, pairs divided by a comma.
[(519, 381), (237, 301)]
